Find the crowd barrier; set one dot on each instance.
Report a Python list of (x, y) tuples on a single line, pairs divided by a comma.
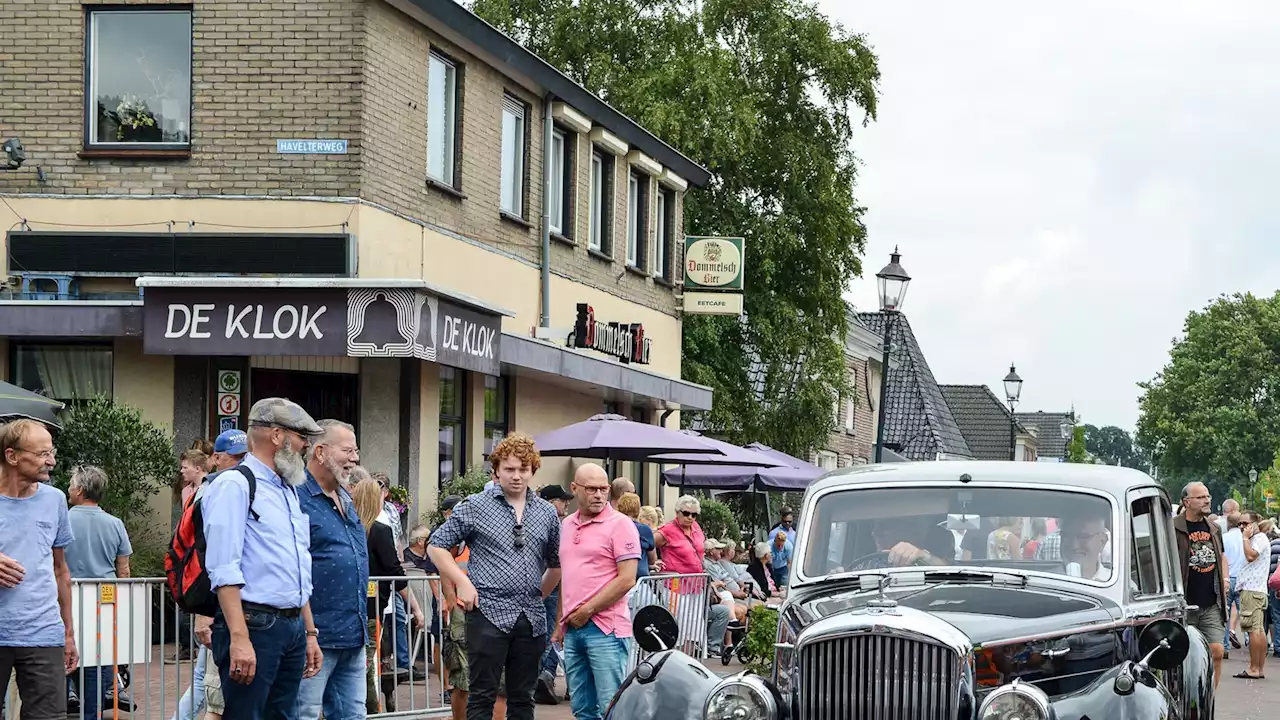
[(687, 598), (131, 625)]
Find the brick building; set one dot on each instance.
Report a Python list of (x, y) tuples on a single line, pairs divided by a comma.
[(854, 439), (478, 243)]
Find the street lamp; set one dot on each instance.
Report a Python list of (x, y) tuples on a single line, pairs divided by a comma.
[(893, 281), (1012, 391)]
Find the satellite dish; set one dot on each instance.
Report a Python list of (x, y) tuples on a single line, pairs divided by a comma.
[(655, 629)]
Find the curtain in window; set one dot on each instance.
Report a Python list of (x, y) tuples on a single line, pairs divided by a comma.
[(71, 372)]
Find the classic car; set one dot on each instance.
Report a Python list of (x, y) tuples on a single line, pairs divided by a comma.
[(966, 591)]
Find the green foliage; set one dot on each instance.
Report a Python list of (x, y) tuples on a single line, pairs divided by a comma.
[(137, 455), (717, 521), (1113, 446), (1214, 409), (1076, 452), (761, 636), (766, 94), (465, 485), (749, 508)]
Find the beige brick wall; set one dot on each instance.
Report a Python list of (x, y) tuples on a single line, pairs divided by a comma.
[(859, 443), (329, 69), (262, 70), (395, 152)]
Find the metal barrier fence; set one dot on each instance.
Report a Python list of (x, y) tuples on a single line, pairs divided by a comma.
[(687, 598), (133, 627)]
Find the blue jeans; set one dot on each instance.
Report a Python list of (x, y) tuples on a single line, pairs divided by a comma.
[(550, 661), (1233, 600), (192, 701), (595, 665), (90, 694), (339, 688), (1273, 607), (402, 633), (718, 618), (280, 644)]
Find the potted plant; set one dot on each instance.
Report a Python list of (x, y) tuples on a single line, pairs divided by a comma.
[(136, 121)]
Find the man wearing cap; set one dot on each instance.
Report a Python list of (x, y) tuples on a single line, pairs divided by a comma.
[(545, 693), (259, 564), (205, 692), (340, 566)]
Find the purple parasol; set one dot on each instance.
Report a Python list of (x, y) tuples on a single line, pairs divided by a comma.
[(793, 474), (613, 437)]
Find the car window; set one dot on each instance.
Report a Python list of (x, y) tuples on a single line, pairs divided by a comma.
[(1145, 570)]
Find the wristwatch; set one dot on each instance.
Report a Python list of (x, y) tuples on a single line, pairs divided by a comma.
[(313, 633)]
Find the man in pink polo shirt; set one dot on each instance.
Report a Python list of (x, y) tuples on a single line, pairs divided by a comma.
[(599, 552)]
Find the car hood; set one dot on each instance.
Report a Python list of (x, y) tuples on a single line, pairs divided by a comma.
[(985, 613)]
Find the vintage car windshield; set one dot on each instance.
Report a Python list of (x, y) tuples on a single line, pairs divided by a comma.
[(1052, 531)]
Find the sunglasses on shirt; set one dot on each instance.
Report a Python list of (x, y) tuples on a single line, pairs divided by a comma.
[(517, 536)]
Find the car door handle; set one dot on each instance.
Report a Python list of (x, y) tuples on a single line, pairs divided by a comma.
[(1055, 652)]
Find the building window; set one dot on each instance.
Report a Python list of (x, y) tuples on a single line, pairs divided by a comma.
[(442, 119), (513, 154), (139, 77), (496, 398), (453, 422), (827, 460), (601, 238), (850, 408), (67, 373), (562, 182), (663, 222), (637, 219)]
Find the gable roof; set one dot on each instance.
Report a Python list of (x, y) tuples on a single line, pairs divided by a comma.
[(983, 420), (1048, 425), (916, 415), (502, 47)]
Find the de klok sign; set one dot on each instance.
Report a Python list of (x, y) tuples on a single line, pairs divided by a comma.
[(623, 341), (356, 322)]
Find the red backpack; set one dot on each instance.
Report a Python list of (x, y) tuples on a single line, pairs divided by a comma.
[(184, 569)]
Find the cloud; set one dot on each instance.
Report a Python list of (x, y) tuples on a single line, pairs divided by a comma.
[(1066, 183)]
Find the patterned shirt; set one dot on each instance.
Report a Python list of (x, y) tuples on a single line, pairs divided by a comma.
[(339, 567), (508, 579)]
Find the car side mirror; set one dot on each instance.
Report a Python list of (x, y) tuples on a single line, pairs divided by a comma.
[(655, 629), (1164, 644)]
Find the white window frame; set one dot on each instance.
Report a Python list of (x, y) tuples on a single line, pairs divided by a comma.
[(91, 84), (511, 176), (596, 233), (828, 460), (850, 406), (660, 234), (447, 117), (559, 157), (633, 219)]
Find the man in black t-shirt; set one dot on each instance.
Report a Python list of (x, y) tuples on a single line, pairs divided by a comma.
[(1204, 569)]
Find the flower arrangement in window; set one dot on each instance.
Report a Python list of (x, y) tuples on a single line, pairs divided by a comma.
[(399, 498), (134, 117)]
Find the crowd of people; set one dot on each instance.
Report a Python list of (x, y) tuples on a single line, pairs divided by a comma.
[(294, 528)]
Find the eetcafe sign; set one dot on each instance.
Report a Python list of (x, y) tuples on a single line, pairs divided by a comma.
[(624, 341), (355, 322), (713, 263)]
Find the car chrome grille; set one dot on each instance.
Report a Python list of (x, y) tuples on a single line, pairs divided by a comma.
[(877, 677)]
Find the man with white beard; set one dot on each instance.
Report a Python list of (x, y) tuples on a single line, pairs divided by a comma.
[(259, 564), (340, 566)]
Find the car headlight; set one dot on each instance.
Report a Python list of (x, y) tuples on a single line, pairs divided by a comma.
[(741, 698), (1018, 701)]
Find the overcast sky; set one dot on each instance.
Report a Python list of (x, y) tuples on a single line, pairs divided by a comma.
[(1065, 182)]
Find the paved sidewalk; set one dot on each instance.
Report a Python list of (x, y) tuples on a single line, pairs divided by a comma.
[(1248, 699)]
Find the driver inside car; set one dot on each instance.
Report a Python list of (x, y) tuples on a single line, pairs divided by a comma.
[(920, 540)]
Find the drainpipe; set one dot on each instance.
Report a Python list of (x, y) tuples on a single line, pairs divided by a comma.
[(547, 125)]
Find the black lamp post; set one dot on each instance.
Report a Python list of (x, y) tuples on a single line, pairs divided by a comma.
[(893, 281), (1012, 391)]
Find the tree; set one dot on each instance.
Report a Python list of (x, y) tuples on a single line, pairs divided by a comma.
[(137, 455), (1076, 452), (1112, 446), (1214, 410), (765, 94)]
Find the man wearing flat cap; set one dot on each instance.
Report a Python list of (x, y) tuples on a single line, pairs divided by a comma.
[(259, 563)]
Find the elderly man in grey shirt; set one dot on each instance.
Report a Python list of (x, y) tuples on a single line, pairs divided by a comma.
[(100, 551)]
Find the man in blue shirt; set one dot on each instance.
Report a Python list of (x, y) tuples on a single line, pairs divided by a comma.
[(340, 566), (37, 638), (259, 563)]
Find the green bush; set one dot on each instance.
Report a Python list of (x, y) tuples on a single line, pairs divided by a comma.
[(717, 520), (137, 455), (761, 637), (466, 485)]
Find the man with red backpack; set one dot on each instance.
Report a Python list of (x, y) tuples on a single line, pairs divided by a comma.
[(258, 563), (205, 692)]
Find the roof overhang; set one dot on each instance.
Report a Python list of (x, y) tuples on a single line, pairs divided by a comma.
[(501, 50), (311, 283), (71, 318), (572, 368)]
